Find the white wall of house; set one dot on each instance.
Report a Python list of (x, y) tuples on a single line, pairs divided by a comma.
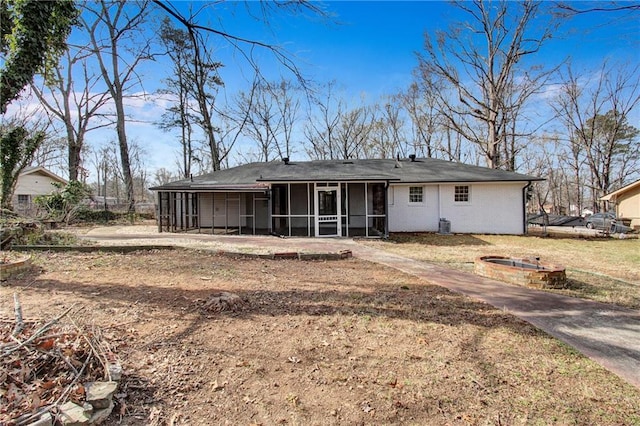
[(35, 184), (405, 216), (217, 208), (493, 208)]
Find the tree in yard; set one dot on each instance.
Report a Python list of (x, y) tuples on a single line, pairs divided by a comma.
[(204, 68), (101, 161), (115, 30), (321, 130), (73, 103), (195, 85), (595, 112), (353, 132), (267, 114), (51, 154), (32, 35), (17, 147), (386, 138), (421, 107), (483, 61), (178, 47), (334, 131)]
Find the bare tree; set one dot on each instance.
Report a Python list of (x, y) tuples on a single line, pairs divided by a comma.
[(267, 114), (51, 154), (595, 111), (205, 68), (101, 162), (163, 176), (116, 30), (480, 60), (74, 103), (421, 107), (263, 122), (321, 130), (570, 9), (262, 12), (353, 132), (386, 137), (288, 105), (178, 48)]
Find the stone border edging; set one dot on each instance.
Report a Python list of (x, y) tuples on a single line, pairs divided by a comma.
[(89, 249), (13, 268), (344, 254)]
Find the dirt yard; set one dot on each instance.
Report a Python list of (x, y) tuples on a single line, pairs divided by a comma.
[(311, 343)]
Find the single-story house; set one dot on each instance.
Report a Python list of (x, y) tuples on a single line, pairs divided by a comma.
[(32, 182), (347, 198), (626, 203)]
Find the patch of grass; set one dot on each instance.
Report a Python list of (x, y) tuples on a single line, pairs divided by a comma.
[(39, 237), (600, 269)]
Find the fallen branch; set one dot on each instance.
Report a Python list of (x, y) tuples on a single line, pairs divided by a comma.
[(40, 331), (100, 356), (17, 309)]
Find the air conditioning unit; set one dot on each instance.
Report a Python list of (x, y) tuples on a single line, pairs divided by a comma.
[(444, 226)]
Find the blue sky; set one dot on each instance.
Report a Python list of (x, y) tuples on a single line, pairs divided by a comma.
[(368, 48), (371, 46)]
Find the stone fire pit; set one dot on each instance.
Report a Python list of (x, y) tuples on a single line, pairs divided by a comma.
[(526, 272), (13, 264)]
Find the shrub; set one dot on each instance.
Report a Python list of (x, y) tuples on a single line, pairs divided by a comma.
[(101, 216)]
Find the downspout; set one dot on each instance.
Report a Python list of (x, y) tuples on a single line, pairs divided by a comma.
[(159, 210), (440, 202), (269, 207), (386, 210), (524, 208)]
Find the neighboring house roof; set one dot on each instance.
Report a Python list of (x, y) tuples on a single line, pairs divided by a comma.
[(255, 176), (621, 191), (41, 170)]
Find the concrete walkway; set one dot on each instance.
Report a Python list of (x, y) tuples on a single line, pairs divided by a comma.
[(607, 334)]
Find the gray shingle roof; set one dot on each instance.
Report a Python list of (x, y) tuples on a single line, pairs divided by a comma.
[(422, 170)]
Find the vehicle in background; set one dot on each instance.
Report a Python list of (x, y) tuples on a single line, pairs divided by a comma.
[(607, 222)]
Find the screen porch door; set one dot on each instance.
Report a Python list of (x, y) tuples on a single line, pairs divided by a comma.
[(327, 209)]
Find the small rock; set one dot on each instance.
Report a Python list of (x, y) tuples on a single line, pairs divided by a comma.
[(101, 415), (99, 394), (44, 420), (115, 371), (74, 415)]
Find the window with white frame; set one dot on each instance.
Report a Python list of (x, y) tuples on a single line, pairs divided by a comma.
[(416, 194), (461, 194)]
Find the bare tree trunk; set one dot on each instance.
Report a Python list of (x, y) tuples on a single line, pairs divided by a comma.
[(111, 14), (484, 89)]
